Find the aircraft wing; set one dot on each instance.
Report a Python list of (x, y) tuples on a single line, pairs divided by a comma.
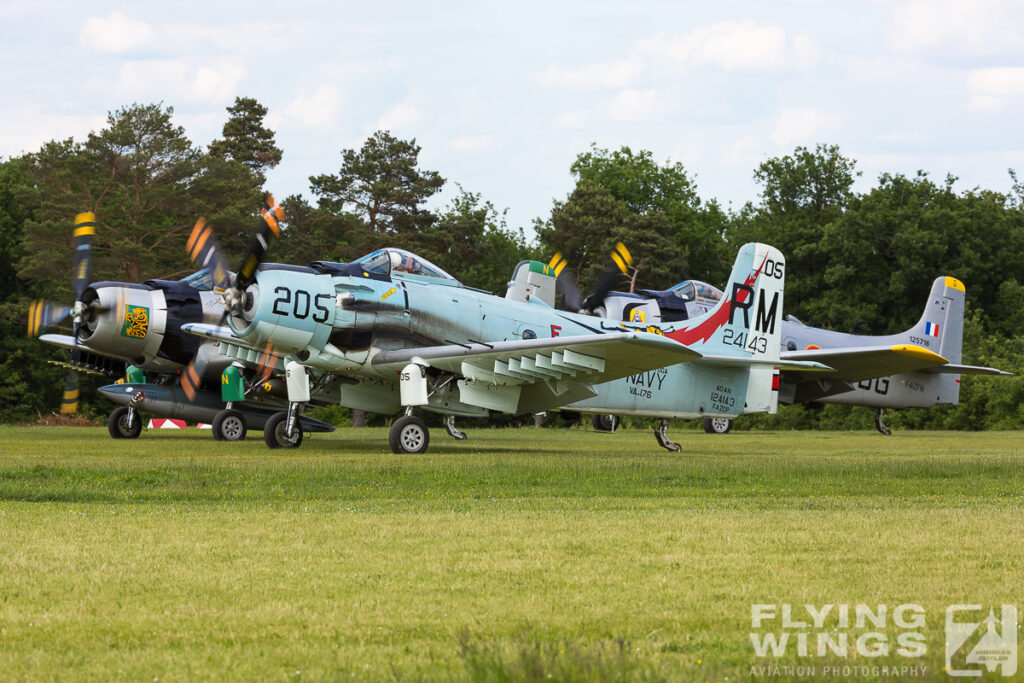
[(951, 369), (867, 362), (735, 362), (532, 375), (63, 340), (216, 333), (595, 358)]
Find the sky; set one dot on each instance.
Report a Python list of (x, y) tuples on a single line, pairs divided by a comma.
[(502, 97)]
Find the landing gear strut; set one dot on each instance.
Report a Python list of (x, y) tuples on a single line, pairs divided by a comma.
[(449, 426), (283, 430), (661, 434), (880, 425)]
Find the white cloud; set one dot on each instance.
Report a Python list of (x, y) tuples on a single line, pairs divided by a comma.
[(400, 116), (572, 120), (116, 34), (592, 76), (27, 126), (993, 89), (310, 110), (636, 106), (956, 27), (802, 126), (471, 142), (733, 45), (174, 80)]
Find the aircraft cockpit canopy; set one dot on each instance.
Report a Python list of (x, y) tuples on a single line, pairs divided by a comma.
[(201, 280), (695, 290), (398, 261)]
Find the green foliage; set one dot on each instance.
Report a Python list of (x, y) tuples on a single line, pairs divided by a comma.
[(313, 234), (473, 241), (801, 194), (652, 208), (246, 140), (638, 180), (147, 185), (382, 184)]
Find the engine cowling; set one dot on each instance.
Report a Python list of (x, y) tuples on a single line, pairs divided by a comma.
[(292, 307)]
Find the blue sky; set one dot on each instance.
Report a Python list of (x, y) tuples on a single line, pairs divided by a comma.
[(503, 96)]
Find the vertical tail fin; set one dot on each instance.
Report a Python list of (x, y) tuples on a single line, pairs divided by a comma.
[(941, 327), (746, 323)]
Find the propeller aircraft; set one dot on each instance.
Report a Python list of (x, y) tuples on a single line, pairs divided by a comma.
[(392, 333), (917, 368), (132, 329)]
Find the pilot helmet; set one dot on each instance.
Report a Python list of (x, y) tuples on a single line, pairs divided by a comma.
[(396, 260)]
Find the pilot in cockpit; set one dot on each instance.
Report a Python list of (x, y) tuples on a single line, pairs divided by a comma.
[(408, 264)]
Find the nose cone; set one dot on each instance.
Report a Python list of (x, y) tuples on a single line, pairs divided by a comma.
[(119, 393)]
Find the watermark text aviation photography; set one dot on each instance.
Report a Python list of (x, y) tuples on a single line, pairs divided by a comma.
[(850, 640)]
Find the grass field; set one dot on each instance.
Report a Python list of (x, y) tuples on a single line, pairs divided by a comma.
[(517, 555)]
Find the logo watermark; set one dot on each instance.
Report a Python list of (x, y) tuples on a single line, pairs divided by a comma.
[(979, 641)]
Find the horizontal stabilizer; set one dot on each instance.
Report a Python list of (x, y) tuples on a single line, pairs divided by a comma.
[(868, 362), (951, 369)]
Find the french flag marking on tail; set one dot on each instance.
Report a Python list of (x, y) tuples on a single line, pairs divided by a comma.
[(931, 329)]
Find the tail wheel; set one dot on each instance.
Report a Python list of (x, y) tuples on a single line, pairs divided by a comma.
[(229, 425), (717, 425), (605, 423), (409, 434), (118, 426), (273, 432)]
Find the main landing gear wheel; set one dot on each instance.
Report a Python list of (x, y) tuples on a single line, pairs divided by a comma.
[(408, 434), (118, 423), (880, 423), (273, 432), (229, 425), (717, 425), (605, 423)]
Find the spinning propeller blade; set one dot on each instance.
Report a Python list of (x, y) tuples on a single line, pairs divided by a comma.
[(566, 286), (43, 314), (203, 250), (621, 261)]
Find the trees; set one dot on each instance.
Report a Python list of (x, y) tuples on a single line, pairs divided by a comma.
[(147, 184), (382, 184), (472, 239), (246, 140), (801, 194), (653, 208)]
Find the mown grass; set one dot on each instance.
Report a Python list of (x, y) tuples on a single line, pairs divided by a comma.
[(517, 555)]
